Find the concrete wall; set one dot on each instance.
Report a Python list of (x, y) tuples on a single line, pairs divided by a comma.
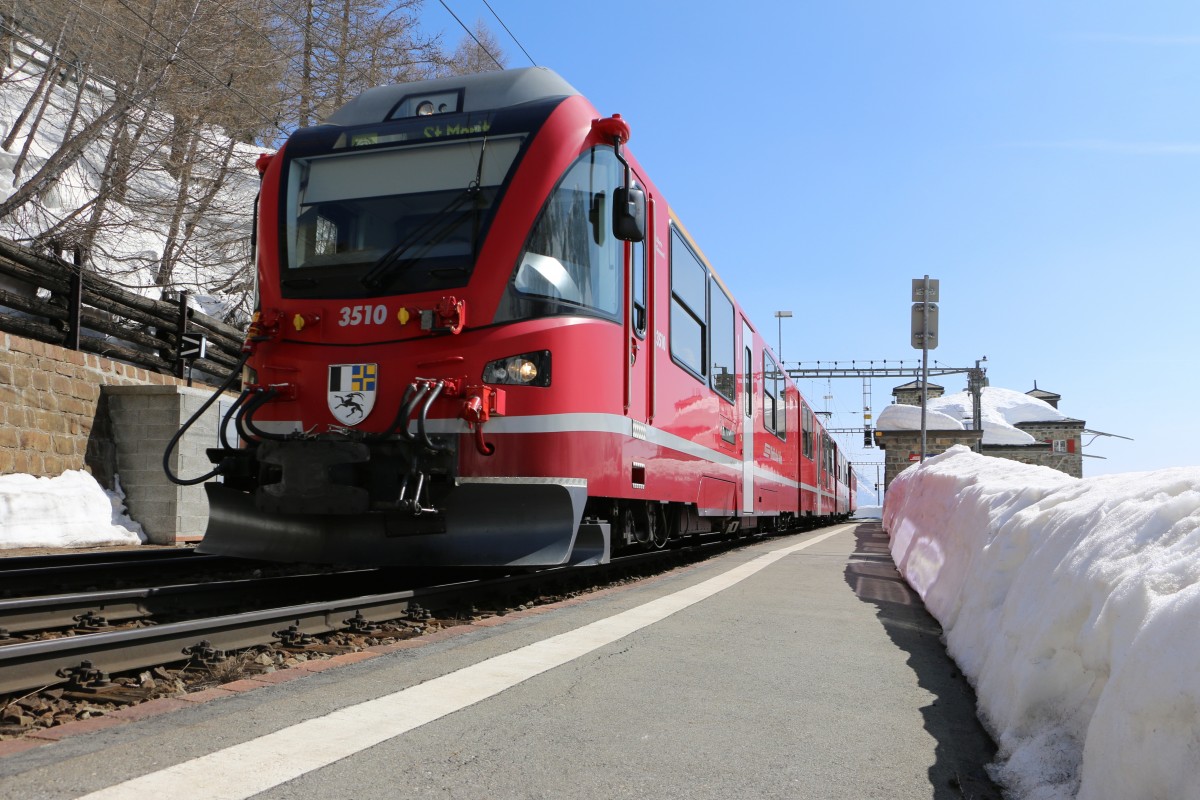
[(144, 418), (61, 410)]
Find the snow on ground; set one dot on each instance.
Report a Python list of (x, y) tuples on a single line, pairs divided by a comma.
[(68, 511), (1071, 605), (1002, 409)]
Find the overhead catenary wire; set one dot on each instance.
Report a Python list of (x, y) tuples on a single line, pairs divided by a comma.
[(512, 35)]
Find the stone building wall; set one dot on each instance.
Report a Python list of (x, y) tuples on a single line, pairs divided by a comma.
[(902, 449), (910, 393), (52, 415), (1065, 434)]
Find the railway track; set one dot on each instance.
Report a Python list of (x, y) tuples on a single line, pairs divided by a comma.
[(24, 575), (89, 647)]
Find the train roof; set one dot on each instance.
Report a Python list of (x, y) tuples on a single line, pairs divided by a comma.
[(486, 90)]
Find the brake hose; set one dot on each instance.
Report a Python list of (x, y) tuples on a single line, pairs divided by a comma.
[(234, 374)]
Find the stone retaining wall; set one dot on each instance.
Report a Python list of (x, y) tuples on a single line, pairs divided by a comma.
[(55, 415), (49, 404)]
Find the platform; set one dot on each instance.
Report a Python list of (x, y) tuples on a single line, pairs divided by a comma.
[(797, 667)]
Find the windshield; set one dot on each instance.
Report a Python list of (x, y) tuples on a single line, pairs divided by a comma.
[(390, 221)]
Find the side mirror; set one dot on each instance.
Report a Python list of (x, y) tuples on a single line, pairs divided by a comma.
[(629, 214)]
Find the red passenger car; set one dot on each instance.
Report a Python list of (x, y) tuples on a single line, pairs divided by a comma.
[(483, 338)]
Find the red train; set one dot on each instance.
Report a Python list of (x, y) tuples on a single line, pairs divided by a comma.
[(483, 338)]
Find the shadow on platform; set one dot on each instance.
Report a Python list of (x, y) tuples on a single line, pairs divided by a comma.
[(963, 745)]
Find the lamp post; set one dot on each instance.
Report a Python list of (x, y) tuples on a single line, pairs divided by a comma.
[(779, 315)]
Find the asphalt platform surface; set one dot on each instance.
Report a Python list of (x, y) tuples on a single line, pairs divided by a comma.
[(796, 667)]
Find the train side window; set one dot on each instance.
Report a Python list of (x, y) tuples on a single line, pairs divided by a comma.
[(806, 422), (774, 400), (689, 323), (722, 344), (638, 256), (748, 379)]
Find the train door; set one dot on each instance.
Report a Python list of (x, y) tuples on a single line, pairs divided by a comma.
[(639, 351), (747, 419)]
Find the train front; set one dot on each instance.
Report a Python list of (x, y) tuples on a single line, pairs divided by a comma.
[(414, 267)]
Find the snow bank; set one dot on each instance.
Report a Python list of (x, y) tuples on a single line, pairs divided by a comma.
[(68, 511), (1071, 606)]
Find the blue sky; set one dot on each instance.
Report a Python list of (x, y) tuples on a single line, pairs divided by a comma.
[(1042, 160)]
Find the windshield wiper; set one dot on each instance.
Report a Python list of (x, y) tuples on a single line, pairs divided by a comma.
[(433, 231)]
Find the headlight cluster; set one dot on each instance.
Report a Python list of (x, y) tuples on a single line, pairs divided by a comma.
[(527, 369)]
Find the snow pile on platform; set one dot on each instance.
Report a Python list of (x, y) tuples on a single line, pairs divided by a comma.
[(68, 511), (1071, 605), (1001, 409)]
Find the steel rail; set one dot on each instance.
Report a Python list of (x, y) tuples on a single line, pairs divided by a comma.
[(49, 662), (93, 557), (24, 614), (20, 573)]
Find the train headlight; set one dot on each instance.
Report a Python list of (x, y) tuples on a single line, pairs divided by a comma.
[(527, 369), (522, 371)]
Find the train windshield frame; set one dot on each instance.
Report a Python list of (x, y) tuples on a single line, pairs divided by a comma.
[(367, 215)]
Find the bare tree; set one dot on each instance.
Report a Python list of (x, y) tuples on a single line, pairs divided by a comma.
[(41, 93), (479, 51), (338, 48)]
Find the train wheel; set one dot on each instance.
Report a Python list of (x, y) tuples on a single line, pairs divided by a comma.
[(656, 525), (630, 529)]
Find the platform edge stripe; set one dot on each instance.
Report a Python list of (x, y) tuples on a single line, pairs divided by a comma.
[(256, 765)]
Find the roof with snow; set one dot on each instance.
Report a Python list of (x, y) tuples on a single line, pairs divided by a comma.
[(915, 385), (1002, 411)]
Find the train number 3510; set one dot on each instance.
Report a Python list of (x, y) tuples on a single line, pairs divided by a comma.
[(363, 315)]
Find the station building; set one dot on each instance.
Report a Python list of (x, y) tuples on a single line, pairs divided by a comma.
[(1058, 442)]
